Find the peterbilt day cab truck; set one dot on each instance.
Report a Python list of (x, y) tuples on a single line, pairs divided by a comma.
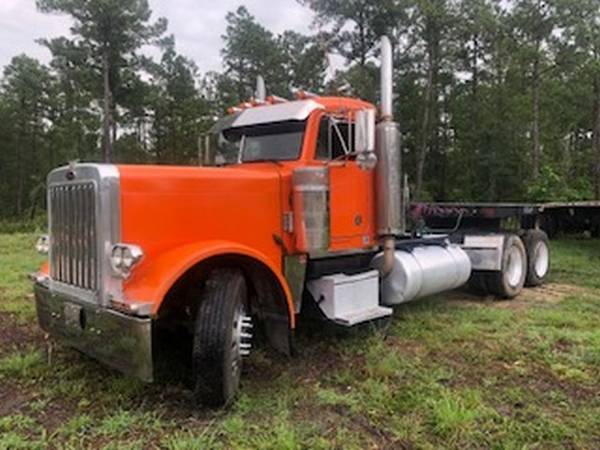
[(300, 201)]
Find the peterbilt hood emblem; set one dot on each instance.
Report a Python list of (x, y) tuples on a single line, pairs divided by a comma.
[(70, 174)]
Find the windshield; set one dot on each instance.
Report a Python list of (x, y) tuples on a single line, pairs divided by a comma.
[(281, 141)]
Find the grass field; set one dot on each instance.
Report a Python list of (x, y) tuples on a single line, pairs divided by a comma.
[(453, 371)]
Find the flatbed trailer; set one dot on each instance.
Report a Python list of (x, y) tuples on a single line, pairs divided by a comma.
[(553, 217)]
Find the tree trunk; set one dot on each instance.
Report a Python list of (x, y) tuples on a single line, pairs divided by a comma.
[(20, 180), (20, 155), (535, 132), (596, 139), (427, 113), (474, 133), (113, 125), (475, 71), (107, 119)]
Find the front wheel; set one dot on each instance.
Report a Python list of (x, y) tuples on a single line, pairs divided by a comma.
[(222, 335)]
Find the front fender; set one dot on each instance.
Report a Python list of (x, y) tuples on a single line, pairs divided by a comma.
[(152, 280)]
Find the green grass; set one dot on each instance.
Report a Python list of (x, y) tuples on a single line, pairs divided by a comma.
[(20, 364), (17, 259), (463, 373), (577, 261)]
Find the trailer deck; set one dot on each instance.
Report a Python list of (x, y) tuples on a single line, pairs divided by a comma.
[(553, 217)]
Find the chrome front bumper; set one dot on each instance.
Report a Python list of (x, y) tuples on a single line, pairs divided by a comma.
[(115, 339)]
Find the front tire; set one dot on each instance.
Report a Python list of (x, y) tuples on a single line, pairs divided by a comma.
[(221, 338), (509, 281)]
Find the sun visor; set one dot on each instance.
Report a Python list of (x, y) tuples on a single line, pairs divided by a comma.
[(223, 123), (280, 112)]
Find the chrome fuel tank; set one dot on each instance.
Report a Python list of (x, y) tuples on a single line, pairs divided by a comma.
[(422, 271)]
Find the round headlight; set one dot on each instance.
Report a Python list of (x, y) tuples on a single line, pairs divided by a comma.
[(127, 259), (124, 257), (43, 244), (116, 258)]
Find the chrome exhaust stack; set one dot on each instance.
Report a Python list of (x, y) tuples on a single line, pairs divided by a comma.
[(386, 79), (388, 172)]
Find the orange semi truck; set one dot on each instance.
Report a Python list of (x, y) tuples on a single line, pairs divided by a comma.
[(296, 201)]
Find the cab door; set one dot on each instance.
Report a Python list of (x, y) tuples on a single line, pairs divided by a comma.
[(351, 195), (351, 206)]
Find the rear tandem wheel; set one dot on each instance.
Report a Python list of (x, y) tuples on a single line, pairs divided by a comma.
[(508, 282), (538, 257)]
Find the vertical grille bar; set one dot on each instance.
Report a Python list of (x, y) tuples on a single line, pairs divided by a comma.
[(68, 202), (73, 240), (93, 242), (78, 236)]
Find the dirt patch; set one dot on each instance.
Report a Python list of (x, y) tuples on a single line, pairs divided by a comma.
[(551, 293), (548, 294), (544, 380), (56, 413), (12, 399), (15, 336)]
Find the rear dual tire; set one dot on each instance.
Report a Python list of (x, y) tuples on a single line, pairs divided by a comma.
[(525, 262), (538, 257), (509, 281)]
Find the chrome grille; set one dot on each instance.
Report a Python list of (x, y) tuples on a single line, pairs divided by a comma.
[(73, 238)]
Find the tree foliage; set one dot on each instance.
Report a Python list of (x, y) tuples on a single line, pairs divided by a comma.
[(497, 100), (107, 35)]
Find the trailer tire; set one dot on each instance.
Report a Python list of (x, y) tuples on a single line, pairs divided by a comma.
[(509, 281), (537, 246), (217, 353)]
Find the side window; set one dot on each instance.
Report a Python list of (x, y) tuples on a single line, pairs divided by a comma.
[(322, 151), (334, 139)]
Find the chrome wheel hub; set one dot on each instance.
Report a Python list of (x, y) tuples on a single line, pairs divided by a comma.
[(542, 259), (514, 270), (241, 341)]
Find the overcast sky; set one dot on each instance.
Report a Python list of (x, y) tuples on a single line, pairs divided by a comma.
[(196, 24)]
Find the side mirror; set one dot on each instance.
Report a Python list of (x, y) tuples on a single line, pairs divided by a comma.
[(364, 138), (364, 135)]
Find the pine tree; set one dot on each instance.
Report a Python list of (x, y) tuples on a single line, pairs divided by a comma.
[(109, 33)]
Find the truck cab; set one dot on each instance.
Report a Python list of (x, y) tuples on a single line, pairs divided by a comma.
[(293, 200)]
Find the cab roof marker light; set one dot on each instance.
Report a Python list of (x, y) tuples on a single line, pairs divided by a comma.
[(276, 99), (301, 94)]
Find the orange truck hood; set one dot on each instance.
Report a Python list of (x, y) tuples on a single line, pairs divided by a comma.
[(163, 207)]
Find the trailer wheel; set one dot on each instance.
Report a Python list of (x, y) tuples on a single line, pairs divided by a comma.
[(221, 338), (509, 281), (538, 257)]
